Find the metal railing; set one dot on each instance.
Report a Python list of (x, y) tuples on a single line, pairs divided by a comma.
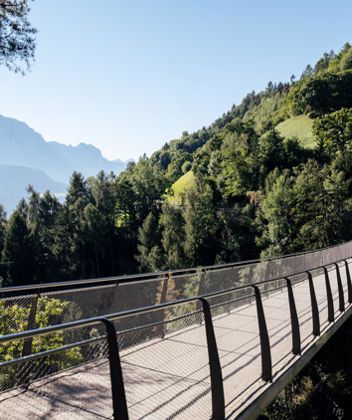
[(96, 297), (144, 277), (202, 305)]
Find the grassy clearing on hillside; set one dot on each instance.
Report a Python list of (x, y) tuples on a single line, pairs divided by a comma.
[(300, 127), (185, 182), (268, 107)]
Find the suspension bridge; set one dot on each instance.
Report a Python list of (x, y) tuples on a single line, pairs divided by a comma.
[(214, 342)]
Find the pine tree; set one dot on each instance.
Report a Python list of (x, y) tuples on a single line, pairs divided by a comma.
[(2, 227), (149, 252), (3, 264), (276, 221), (173, 237), (201, 223), (100, 223), (17, 36), (77, 198), (49, 215), (321, 206), (19, 250)]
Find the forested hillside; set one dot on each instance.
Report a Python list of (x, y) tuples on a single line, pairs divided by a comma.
[(271, 176)]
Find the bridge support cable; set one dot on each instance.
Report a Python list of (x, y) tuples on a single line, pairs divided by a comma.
[(264, 338), (349, 284), (119, 402), (331, 314), (340, 289), (314, 305), (296, 336), (217, 387)]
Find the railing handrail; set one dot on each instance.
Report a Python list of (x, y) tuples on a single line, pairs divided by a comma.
[(125, 279)]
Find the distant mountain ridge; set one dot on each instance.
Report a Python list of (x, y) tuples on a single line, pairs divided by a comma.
[(15, 179), (21, 145), (27, 158)]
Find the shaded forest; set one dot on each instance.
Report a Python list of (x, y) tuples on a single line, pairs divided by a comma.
[(323, 390)]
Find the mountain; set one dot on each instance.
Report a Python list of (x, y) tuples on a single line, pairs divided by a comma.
[(23, 146), (85, 158), (15, 179), (27, 158)]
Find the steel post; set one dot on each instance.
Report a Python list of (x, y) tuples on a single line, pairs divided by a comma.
[(119, 402), (296, 336), (264, 338), (217, 388)]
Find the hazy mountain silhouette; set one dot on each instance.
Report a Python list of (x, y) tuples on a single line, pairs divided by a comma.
[(26, 158), (15, 179), (23, 146)]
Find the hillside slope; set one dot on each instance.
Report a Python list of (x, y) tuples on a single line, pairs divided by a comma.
[(300, 127), (184, 183)]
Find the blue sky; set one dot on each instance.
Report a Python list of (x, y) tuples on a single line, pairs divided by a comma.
[(127, 76)]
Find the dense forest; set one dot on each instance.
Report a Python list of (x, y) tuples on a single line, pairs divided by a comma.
[(241, 188), (323, 389)]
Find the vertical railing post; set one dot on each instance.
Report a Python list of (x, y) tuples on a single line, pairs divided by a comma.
[(116, 297), (331, 314), (163, 299), (264, 338), (217, 387), (31, 325), (119, 402), (201, 288), (296, 336), (28, 342), (340, 288), (349, 284), (314, 304)]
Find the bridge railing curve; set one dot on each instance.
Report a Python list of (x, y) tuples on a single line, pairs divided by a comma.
[(180, 301), (22, 369)]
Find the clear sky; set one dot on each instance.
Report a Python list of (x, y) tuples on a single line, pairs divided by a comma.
[(129, 75)]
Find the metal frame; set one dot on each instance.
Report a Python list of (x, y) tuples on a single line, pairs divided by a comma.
[(349, 283), (340, 288), (119, 403), (296, 337), (264, 338), (314, 304), (331, 313)]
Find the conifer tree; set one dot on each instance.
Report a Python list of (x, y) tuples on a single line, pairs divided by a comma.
[(173, 237), (200, 226), (149, 253), (77, 198), (19, 250)]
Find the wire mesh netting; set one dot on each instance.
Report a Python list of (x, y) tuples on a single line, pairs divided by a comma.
[(62, 383), (166, 366), (41, 307), (166, 374)]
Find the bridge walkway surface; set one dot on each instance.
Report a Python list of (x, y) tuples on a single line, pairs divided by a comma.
[(169, 376)]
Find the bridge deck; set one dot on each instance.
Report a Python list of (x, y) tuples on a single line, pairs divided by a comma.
[(169, 377)]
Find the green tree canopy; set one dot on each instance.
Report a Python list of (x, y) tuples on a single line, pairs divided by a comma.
[(19, 249)]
